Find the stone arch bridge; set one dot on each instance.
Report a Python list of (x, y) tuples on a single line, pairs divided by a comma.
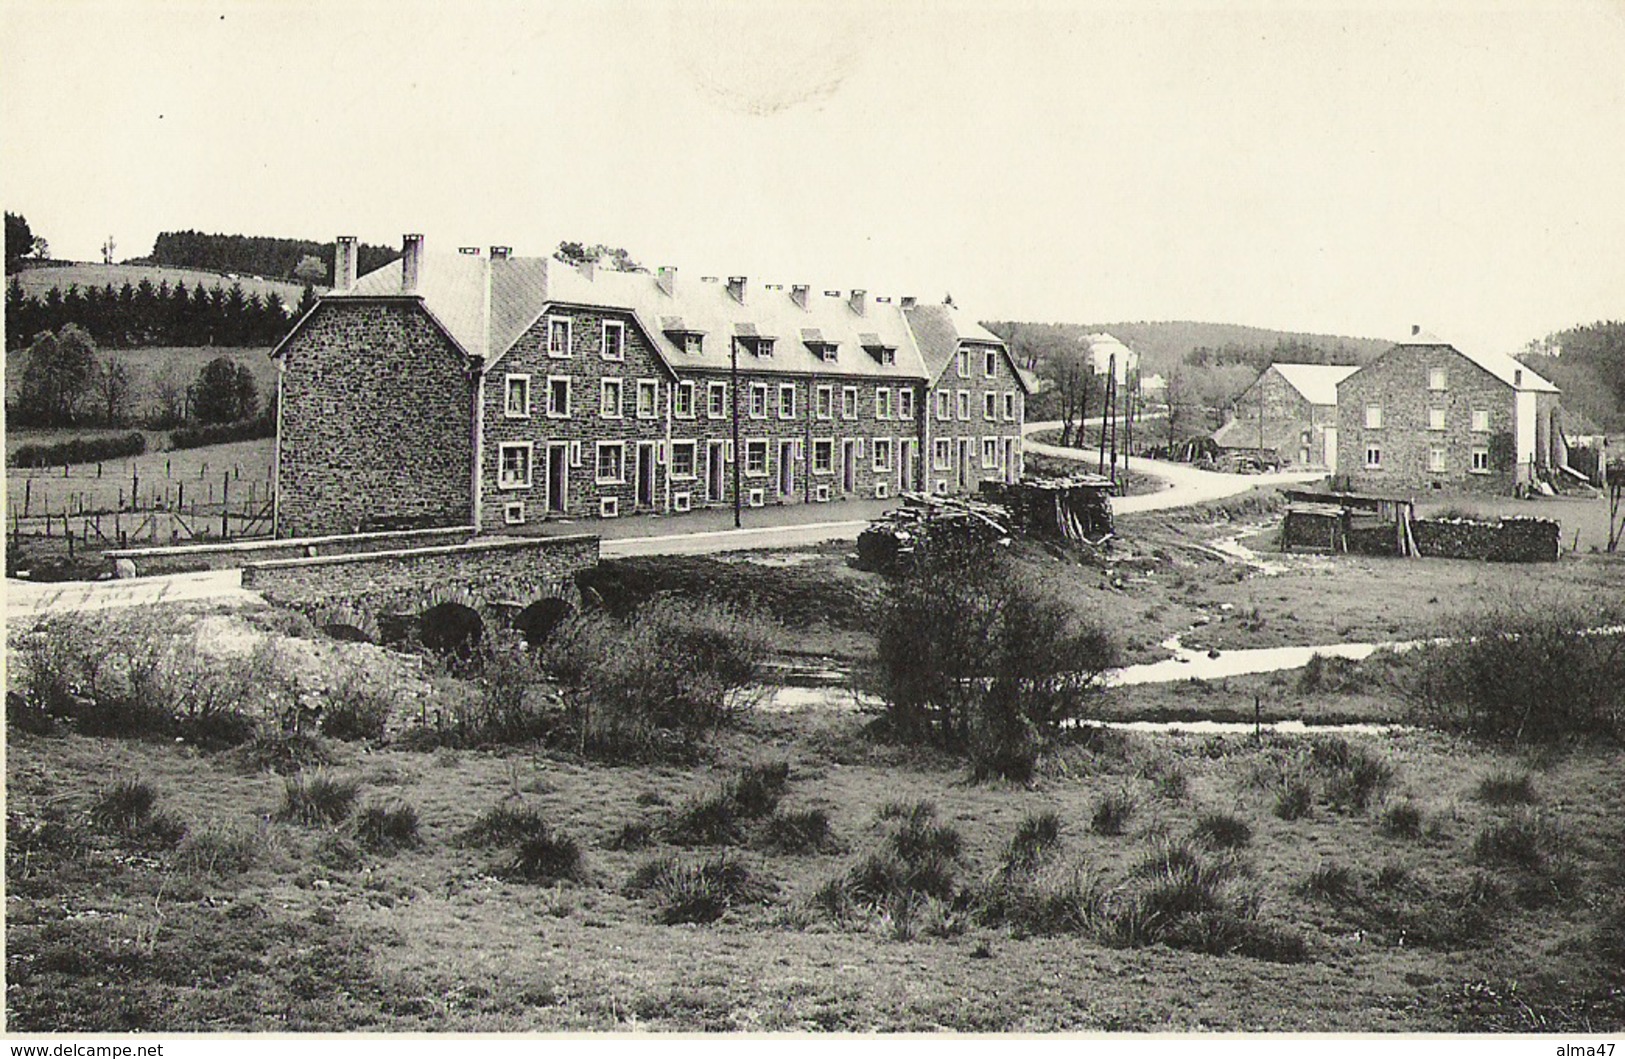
[(445, 594)]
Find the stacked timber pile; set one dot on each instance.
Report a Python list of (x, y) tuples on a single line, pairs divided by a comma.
[(1077, 508), (895, 542), (1313, 527), (1503, 540)]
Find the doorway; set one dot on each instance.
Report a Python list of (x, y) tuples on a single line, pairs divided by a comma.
[(646, 474), (558, 478), (787, 468), (715, 490)]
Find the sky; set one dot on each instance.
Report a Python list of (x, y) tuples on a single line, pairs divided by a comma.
[(1350, 168)]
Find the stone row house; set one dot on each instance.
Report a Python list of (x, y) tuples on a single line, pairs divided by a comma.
[(503, 392), (1428, 416)]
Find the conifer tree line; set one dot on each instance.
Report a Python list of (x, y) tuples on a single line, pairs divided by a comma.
[(146, 315), (256, 255)]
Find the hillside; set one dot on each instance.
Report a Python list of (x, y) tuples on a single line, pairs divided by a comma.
[(39, 280), (1164, 343)]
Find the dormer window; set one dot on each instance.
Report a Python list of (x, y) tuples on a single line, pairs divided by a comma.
[(877, 349), (827, 351), (693, 343), (821, 348), (686, 338), (762, 347)]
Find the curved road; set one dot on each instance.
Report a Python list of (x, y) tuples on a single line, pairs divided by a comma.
[(1185, 485)]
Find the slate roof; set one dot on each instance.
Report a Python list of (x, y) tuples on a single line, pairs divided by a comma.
[(1316, 382), (939, 330), (1501, 365)]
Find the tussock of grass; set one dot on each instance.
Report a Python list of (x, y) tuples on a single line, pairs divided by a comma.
[(1037, 836), (124, 804), (1112, 813), (1520, 841), (1295, 800), (724, 816), (1222, 831), (1504, 787), (1043, 900), (503, 824), (544, 856), (318, 798), (916, 855), (219, 850), (1353, 777), (1403, 820), (798, 831), (756, 791), (1329, 881), (686, 890), (387, 828)]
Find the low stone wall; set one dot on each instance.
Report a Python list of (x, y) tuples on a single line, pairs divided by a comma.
[(486, 574), (1507, 540), (187, 558)]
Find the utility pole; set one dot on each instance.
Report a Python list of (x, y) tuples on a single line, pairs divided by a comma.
[(733, 386), (1261, 418), (1111, 396), (1131, 400)]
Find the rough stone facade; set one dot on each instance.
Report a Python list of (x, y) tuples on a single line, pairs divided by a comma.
[(347, 460), (1292, 426), (1414, 452), (484, 575), (972, 427)]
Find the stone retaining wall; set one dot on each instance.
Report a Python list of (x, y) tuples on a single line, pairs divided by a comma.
[(186, 558)]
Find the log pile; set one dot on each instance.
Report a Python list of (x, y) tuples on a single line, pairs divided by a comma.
[(1505, 540), (1077, 508), (895, 542)]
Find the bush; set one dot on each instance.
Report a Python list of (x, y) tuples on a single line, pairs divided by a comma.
[(975, 659), (698, 891), (358, 705), (1507, 788), (1037, 836), (318, 798), (387, 828), (673, 671), (494, 695), (1222, 831), (1402, 821), (1526, 672), (80, 450), (1112, 813), (222, 433)]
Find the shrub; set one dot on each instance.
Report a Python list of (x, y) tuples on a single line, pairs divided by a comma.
[(673, 671), (1112, 813), (1295, 799), (698, 891), (1329, 880), (81, 450), (386, 828), (1402, 821), (1507, 788), (1520, 841), (318, 798), (1526, 672), (1036, 837), (124, 804), (357, 706), (802, 831), (977, 660), (1222, 831), (223, 433)]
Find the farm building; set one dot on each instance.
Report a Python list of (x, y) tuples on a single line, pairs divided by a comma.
[(1426, 415), (1291, 411), (500, 391)]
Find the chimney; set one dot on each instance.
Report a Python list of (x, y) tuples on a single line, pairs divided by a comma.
[(501, 253), (798, 294), (588, 269), (344, 262), (909, 301), (1517, 377), (666, 279), (1416, 329), (856, 300), (411, 262), (736, 288)]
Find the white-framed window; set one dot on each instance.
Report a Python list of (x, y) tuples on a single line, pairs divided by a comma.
[(824, 402), (964, 405), (883, 402), (693, 344), (756, 457), (716, 400), (1373, 416), (1438, 378), (1436, 459), (558, 336), (827, 351), (990, 453), (882, 454), (610, 468), (1481, 461), (516, 396), (787, 400), (945, 410), (558, 397), (1435, 418), (942, 454), (849, 402), (648, 398), (614, 347), (683, 400), (1010, 407), (1373, 456), (823, 455), (682, 459), (962, 365), (1481, 421), (758, 400), (990, 364), (513, 465), (513, 513), (990, 406), (763, 347), (886, 355), (610, 392), (905, 403)]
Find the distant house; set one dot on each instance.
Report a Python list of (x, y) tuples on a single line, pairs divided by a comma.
[(1291, 410), (1426, 415), (1107, 354)]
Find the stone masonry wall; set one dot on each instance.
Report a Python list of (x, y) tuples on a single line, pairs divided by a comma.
[(226, 556), (967, 427), (1398, 382), (376, 406)]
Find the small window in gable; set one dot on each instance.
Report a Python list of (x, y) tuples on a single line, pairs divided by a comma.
[(1437, 377), (990, 363), (614, 340), (1373, 416), (558, 336), (516, 396)]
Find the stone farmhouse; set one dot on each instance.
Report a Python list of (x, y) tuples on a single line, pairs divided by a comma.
[(497, 391), (1426, 415), (1290, 410)]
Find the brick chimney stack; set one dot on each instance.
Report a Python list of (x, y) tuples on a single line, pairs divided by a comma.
[(736, 288), (909, 301), (857, 300), (411, 263), (344, 262), (798, 294), (501, 253), (666, 279)]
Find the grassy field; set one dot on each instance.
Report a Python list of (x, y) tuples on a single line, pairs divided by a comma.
[(37, 281), (148, 367), (158, 475)]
